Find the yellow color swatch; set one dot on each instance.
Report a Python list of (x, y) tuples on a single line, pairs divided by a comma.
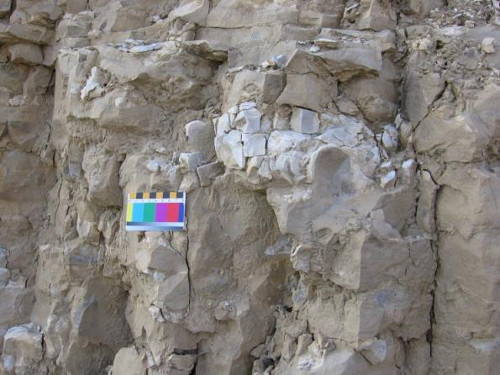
[(129, 211)]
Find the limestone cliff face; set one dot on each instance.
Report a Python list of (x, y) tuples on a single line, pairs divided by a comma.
[(341, 165)]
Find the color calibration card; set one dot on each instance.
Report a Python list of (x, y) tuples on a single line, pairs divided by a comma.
[(156, 211)]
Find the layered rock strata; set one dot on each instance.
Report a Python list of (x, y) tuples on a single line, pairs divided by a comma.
[(340, 160)]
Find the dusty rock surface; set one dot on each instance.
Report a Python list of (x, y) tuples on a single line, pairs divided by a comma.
[(341, 164)]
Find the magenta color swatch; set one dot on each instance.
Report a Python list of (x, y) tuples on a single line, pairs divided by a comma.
[(161, 212)]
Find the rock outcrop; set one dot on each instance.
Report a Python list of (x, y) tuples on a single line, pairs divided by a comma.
[(341, 165)]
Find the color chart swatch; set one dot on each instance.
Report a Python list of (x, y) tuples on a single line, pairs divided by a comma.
[(156, 211)]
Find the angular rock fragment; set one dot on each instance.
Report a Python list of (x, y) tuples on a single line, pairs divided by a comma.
[(194, 11), (254, 144), (22, 348), (30, 54), (307, 91), (189, 161), (5, 7), (128, 361), (207, 173), (305, 121), (248, 121), (101, 171), (229, 150), (200, 137)]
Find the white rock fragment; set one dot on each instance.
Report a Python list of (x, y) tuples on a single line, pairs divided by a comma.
[(247, 105), (289, 167), (281, 141), (229, 149), (409, 171), (305, 121), (265, 170), (189, 161), (233, 110), (283, 246), (315, 48), (254, 144), (388, 181), (156, 314), (248, 121), (390, 138), (386, 167), (375, 352), (146, 48), (120, 102), (17, 101), (488, 45), (153, 166), (222, 124), (341, 136), (94, 86)]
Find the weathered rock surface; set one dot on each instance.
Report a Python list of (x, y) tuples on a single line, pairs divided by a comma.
[(341, 165)]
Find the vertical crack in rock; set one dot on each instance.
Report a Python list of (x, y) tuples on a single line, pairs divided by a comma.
[(189, 272), (435, 248)]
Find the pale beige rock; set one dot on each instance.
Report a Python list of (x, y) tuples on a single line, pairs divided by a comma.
[(254, 144), (189, 161), (207, 173), (101, 171), (26, 54), (19, 307), (304, 121), (434, 133), (343, 63), (229, 150), (94, 86), (4, 276), (128, 362), (339, 160), (74, 26), (194, 11), (248, 121), (421, 8), (321, 13), (233, 14), (37, 82), (200, 137), (24, 177), (30, 33), (420, 93), (376, 15), (488, 45), (5, 7), (12, 77), (307, 91), (22, 348)]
